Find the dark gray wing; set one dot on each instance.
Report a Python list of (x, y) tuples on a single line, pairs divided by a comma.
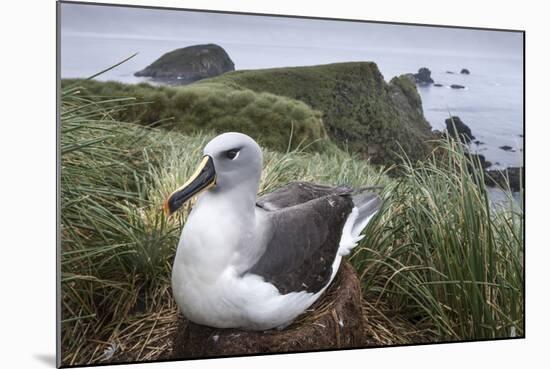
[(303, 243), (298, 193)]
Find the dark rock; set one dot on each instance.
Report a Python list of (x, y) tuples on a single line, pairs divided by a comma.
[(455, 86), (438, 85), (507, 148), (334, 321), (423, 77), (475, 157), (189, 64), (512, 176), (460, 130), (449, 72), (478, 142), (476, 163), (464, 71)]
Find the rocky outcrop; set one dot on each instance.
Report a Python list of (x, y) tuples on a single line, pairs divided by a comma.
[(456, 86), (478, 157), (464, 71), (507, 148), (457, 129), (513, 176), (189, 64), (423, 77)]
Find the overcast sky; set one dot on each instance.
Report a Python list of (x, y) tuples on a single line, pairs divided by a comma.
[(132, 23)]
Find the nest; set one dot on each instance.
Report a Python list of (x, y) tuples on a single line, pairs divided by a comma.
[(334, 321)]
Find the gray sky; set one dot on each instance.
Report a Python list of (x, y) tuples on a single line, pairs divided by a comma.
[(158, 24)]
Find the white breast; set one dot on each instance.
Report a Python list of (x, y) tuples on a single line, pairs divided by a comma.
[(238, 302), (233, 301), (208, 286)]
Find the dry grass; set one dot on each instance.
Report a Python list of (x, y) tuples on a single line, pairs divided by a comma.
[(385, 326), (148, 336)]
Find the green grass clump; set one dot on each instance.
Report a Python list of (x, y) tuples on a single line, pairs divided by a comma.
[(443, 254), (216, 108), (115, 246)]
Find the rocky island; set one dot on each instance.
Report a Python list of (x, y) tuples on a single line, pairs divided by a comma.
[(458, 129), (189, 64), (423, 77)]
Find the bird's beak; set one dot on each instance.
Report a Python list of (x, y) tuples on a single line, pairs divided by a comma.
[(203, 178)]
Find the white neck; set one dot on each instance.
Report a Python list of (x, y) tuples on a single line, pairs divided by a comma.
[(220, 231)]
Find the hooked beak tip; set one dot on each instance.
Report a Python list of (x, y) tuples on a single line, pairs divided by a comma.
[(203, 179)]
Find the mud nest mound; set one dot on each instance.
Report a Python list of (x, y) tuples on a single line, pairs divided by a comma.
[(334, 321)]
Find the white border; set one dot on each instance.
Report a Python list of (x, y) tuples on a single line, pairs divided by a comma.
[(27, 193)]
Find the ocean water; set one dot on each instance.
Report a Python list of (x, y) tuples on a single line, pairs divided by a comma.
[(491, 104)]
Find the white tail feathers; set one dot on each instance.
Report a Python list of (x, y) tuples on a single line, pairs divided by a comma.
[(366, 206)]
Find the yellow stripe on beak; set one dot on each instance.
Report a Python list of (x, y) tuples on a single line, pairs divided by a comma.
[(201, 180)]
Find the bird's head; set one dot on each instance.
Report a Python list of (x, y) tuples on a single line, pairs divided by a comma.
[(231, 160)]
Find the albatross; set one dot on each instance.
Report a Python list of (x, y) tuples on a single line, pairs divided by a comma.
[(257, 263)]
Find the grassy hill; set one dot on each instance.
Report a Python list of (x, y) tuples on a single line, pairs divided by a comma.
[(276, 122), (359, 109)]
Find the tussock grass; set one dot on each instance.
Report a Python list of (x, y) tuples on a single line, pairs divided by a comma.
[(214, 107), (441, 252), (438, 262)]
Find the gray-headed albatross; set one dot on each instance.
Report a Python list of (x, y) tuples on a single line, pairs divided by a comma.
[(258, 262)]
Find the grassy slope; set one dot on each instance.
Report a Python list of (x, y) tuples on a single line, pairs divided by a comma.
[(360, 110), (272, 120)]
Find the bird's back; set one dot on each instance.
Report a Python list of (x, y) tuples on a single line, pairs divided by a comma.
[(304, 238), (296, 193)]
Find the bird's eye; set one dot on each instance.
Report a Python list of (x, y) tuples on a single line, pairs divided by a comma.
[(232, 154)]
